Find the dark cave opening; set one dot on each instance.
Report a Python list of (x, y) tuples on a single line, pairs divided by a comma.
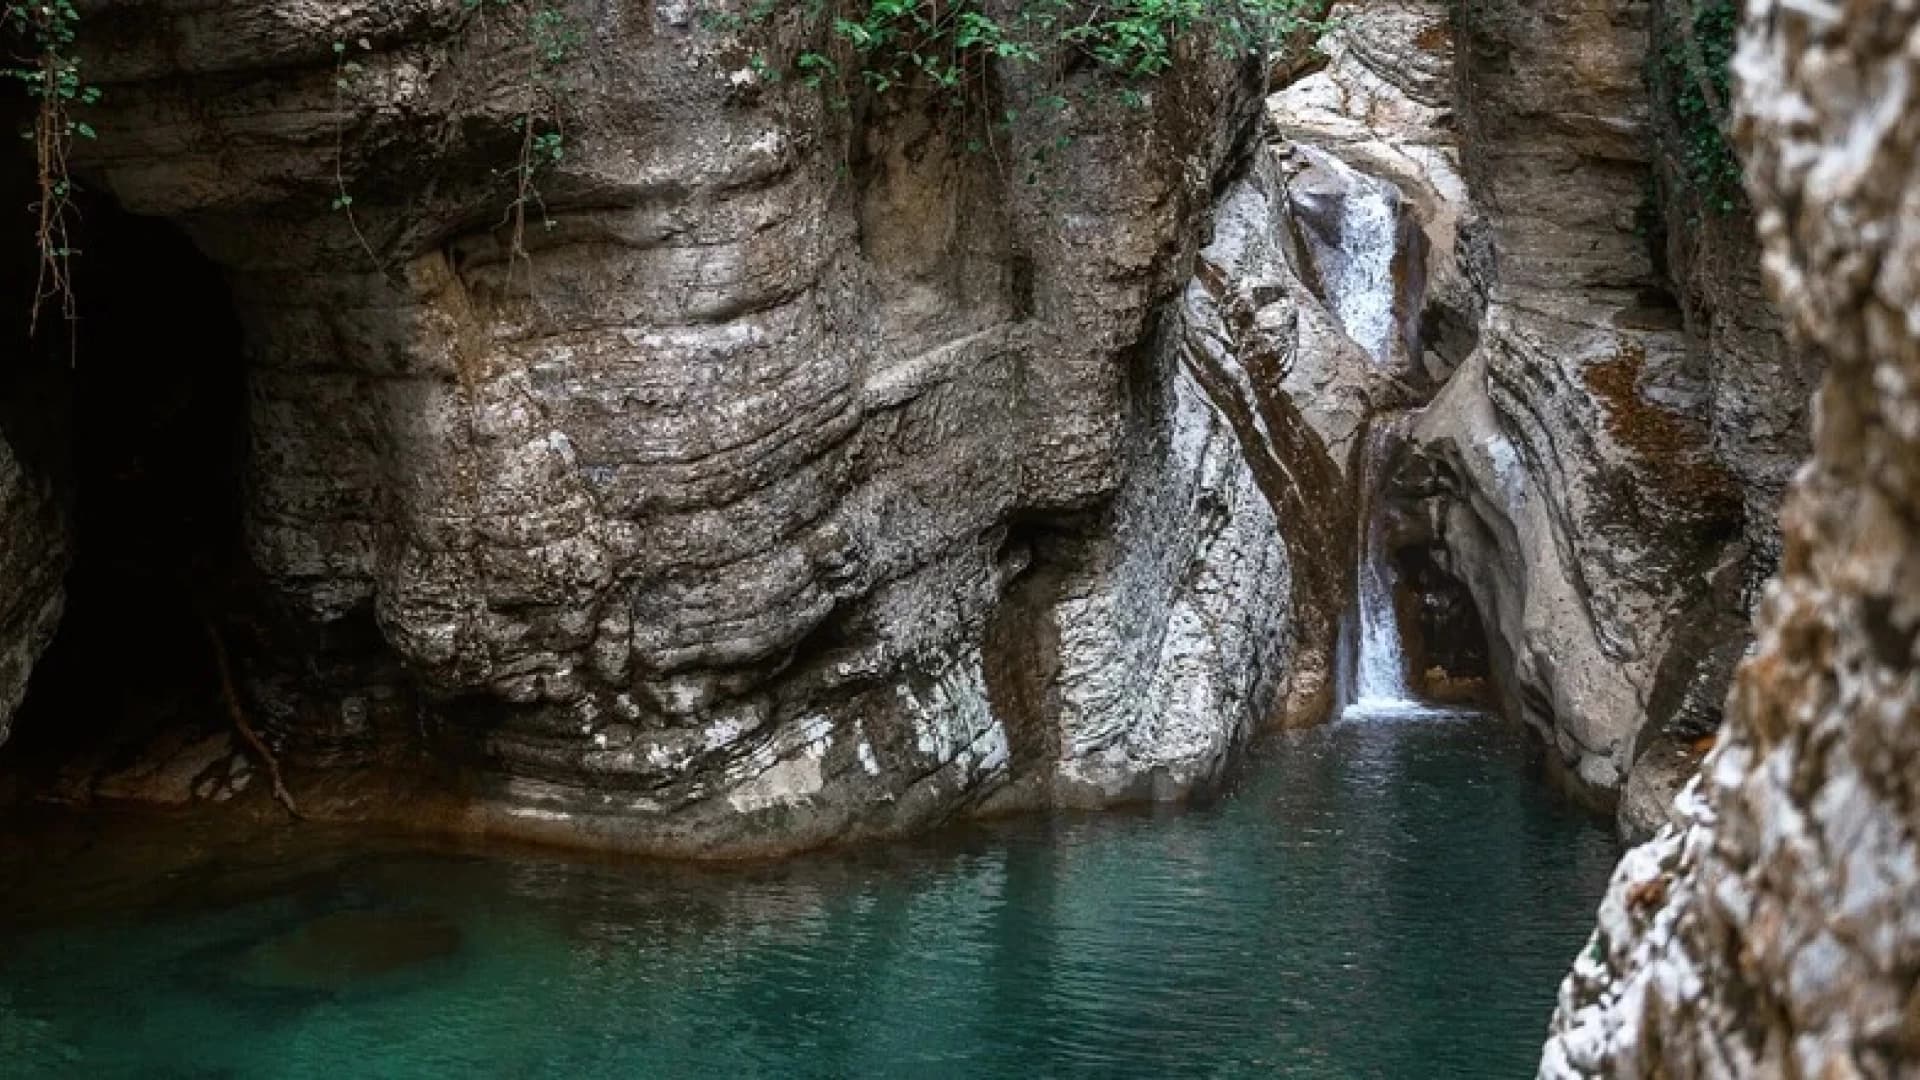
[(1444, 640), (135, 413)]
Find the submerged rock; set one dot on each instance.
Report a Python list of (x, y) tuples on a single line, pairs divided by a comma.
[(348, 948)]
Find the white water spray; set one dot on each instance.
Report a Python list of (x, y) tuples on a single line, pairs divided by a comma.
[(1380, 666), (1356, 268)]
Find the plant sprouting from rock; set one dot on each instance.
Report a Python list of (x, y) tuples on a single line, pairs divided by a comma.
[(548, 37), (1690, 71), (552, 38), (43, 34), (345, 70), (888, 42), (949, 46)]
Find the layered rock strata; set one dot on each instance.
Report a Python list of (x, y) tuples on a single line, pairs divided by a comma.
[(1774, 933), (807, 475)]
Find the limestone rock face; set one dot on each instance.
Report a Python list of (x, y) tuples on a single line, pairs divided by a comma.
[(1578, 489), (1775, 934), (1564, 451), (810, 475), (1760, 382)]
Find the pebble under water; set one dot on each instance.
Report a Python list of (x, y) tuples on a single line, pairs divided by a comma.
[(1378, 898)]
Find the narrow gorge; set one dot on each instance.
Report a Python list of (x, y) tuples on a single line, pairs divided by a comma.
[(629, 537)]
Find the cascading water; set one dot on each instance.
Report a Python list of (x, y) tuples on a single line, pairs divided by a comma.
[(1353, 243), (1379, 681), (1352, 229)]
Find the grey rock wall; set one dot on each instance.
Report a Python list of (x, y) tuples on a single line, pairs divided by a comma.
[(1609, 403), (813, 475), (33, 557), (1774, 932), (1594, 506)]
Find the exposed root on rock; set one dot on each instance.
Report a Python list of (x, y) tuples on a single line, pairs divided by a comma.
[(232, 695)]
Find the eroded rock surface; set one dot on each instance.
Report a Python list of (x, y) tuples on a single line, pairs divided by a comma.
[(810, 476), (1775, 933), (1590, 505), (33, 556), (1577, 461), (816, 474)]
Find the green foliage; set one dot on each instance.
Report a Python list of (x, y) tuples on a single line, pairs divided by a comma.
[(884, 44), (43, 34), (950, 49), (1691, 72)]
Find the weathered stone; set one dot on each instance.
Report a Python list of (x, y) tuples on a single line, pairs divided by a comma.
[(1776, 934), (33, 556), (1584, 501), (814, 474), (809, 476), (1648, 800)]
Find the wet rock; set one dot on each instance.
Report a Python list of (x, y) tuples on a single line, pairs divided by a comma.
[(1384, 103)]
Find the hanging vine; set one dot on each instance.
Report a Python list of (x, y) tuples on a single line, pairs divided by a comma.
[(948, 47), (1690, 71), (549, 37), (42, 36)]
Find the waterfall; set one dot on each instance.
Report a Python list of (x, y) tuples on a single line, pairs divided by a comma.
[(1379, 665), (1350, 224), (1356, 265)]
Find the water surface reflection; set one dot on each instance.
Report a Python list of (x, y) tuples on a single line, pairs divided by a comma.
[(1391, 898)]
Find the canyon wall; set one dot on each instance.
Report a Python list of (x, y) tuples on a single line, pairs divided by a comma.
[(1583, 499), (1774, 933), (1607, 406), (813, 473), (778, 469)]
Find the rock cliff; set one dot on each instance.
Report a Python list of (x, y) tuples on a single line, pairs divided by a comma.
[(1773, 932), (1608, 406), (1583, 501), (811, 474), (766, 469)]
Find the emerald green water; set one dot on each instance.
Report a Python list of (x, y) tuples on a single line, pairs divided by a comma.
[(1392, 898)]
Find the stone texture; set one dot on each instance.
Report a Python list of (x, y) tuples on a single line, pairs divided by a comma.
[(33, 557), (1577, 487), (1760, 383), (1775, 933), (1384, 103), (1648, 801), (1613, 406), (1564, 459), (813, 477)]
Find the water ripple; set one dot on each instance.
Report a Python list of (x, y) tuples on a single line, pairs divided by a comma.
[(1386, 897)]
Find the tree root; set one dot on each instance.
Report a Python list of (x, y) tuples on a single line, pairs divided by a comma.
[(252, 739)]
